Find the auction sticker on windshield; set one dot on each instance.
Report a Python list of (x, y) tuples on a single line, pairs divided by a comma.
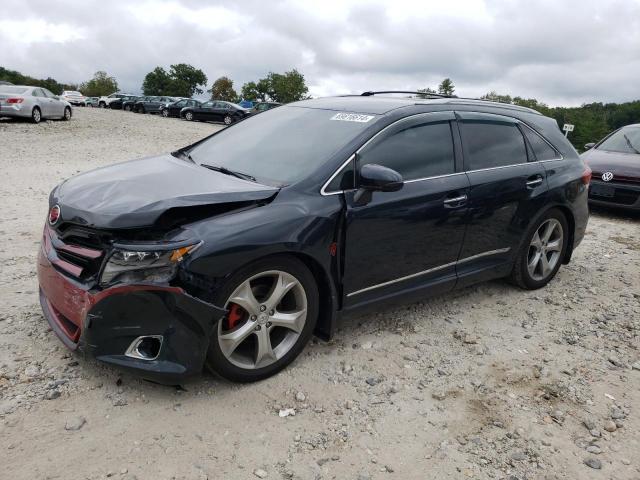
[(352, 117)]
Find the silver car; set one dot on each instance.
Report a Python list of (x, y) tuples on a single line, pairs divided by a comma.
[(35, 103), (73, 97)]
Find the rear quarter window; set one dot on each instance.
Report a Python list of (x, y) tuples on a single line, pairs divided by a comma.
[(541, 148)]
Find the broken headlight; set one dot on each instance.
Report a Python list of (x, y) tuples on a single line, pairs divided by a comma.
[(144, 266)]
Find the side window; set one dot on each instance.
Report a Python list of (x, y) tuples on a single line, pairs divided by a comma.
[(541, 149), (48, 94), (37, 92), (415, 151), (181, 103), (492, 144)]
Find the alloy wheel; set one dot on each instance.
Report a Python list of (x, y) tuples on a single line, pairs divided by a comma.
[(36, 115), (267, 314), (228, 120), (188, 116), (165, 113), (545, 249), (67, 113)]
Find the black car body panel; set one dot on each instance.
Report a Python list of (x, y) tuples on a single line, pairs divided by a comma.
[(435, 234), (173, 109), (135, 194)]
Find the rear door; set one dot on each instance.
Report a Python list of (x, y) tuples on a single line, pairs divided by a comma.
[(403, 241), (508, 187)]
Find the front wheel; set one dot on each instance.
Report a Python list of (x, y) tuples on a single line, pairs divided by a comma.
[(165, 113), (542, 253), (228, 120), (67, 114), (272, 311), (102, 105), (188, 116)]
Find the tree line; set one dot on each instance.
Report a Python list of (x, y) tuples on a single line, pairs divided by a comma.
[(592, 120)]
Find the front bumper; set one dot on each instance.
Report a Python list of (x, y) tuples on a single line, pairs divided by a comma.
[(625, 196), (104, 323)]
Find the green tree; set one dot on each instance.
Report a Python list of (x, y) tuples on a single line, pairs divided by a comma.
[(446, 87), (156, 82), (424, 92), (287, 87), (222, 89), (185, 80), (249, 91), (101, 84)]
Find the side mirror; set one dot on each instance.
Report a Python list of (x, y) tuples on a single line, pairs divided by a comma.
[(378, 178), (589, 146)]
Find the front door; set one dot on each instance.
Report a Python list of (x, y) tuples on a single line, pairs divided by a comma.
[(407, 240), (507, 189)]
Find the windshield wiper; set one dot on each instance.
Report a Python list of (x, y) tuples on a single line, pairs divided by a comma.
[(629, 143), (226, 171), (183, 154)]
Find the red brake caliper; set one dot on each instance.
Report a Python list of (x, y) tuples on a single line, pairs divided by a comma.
[(235, 315)]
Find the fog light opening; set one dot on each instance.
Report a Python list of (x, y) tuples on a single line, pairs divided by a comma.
[(145, 348)]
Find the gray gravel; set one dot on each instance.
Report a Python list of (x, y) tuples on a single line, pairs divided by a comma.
[(491, 382)]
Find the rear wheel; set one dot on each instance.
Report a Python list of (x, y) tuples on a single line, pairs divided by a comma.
[(102, 105), (36, 115), (541, 254), (272, 311), (141, 109), (127, 108), (165, 113), (67, 113)]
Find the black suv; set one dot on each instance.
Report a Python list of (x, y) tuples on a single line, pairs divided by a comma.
[(232, 252), (173, 109), (152, 104)]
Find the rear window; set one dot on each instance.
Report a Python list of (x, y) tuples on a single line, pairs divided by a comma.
[(490, 145), (11, 89)]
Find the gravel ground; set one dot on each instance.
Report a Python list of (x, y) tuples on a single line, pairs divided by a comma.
[(488, 382)]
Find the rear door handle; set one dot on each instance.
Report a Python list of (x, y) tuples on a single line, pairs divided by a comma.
[(453, 202), (534, 181)]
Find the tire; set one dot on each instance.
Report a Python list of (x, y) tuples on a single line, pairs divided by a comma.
[(36, 115), (228, 120), (254, 358), (67, 114), (165, 113), (188, 116), (530, 270), (102, 105), (141, 109)]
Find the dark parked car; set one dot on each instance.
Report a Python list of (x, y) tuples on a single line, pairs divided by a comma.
[(216, 111), (234, 251), (615, 162), (151, 104), (173, 109), (264, 106), (119, 103)]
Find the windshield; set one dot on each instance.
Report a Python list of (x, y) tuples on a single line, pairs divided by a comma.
[(282, 145), (10, 89), (625, 140)]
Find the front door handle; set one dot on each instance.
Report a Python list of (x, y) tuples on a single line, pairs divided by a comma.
[(454, 202), (534, 181)]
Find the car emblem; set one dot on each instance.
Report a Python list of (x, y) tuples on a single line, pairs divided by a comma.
[(54, 214), (607, 176)]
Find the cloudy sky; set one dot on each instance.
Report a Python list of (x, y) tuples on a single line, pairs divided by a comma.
[(561, 52)]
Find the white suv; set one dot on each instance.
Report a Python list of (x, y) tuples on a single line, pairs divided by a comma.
[(103, 102)]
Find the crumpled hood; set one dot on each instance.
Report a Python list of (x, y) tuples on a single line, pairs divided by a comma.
[(135, 193), (623, 164)]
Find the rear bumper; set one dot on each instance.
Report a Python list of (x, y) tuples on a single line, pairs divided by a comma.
[(626, 196), (104, 323), (18, 110)]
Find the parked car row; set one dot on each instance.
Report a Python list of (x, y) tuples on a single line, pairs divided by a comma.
[(186, 108)]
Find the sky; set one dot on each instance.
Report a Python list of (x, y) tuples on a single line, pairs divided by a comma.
[(562, 52)]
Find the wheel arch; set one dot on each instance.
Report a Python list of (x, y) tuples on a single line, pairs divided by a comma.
[(568, 214)]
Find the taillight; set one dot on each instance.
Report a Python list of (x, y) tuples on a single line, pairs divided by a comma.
[(15, 100), (586, 175)]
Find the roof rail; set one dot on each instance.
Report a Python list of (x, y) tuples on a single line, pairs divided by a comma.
[(430, 94)]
